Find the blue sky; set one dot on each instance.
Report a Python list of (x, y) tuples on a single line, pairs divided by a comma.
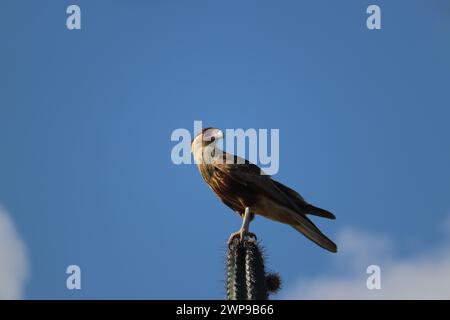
[(86, 118)]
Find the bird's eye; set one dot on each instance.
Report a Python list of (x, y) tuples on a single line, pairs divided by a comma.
[(212, 139)]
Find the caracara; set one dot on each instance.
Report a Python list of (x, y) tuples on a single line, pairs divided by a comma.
[(242, 187)]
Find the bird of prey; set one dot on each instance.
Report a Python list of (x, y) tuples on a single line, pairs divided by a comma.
[(241, 186)]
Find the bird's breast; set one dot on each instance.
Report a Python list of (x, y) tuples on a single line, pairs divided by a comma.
[(233, 193)]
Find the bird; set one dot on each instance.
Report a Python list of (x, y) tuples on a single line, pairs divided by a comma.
[(243, 187)]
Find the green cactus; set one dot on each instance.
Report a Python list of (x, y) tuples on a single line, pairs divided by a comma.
[(255, 275), (236, 281), (246, 275)]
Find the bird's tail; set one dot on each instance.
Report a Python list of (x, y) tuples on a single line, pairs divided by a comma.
[(309, 230), (310, 209), (318, 238), (298, 220)]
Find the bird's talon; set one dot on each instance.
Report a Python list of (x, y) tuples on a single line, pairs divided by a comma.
[(242, 236), (252, 235), (233, 236)]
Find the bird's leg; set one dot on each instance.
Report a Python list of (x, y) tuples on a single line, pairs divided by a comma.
[(244, 231), (246, 223)]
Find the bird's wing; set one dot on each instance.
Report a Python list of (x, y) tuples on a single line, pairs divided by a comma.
[(302, 204), (249, 175)]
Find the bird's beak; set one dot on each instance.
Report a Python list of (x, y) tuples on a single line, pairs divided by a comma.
[(219, 135)]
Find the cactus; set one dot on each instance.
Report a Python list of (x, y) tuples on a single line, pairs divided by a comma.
[(236, 284), (246, 275)]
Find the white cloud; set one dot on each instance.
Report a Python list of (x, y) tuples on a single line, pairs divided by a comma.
[(13, 259), (425, 275)]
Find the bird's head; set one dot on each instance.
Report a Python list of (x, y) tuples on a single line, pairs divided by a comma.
[(207, 136), (205, 141)]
